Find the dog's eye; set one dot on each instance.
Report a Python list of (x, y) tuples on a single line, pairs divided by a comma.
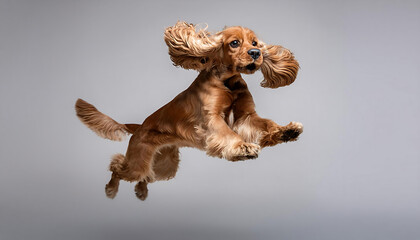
[(234, 43), (254, 43)]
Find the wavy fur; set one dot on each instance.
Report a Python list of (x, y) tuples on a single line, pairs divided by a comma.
[(191, 49), (279, 67)]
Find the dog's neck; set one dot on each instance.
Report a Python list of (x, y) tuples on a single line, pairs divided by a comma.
[(221, 79), (223, 72)]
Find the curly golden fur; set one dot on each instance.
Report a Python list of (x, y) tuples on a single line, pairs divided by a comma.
[(215, 114)]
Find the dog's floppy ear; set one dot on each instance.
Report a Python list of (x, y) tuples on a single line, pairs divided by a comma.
[(191, 49), (279, 67)]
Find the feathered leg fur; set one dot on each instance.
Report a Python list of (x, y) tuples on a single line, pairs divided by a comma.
[(251, 127)]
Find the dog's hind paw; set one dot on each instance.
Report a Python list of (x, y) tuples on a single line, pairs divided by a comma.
[(111, 188), (141, 190), (111, 191)]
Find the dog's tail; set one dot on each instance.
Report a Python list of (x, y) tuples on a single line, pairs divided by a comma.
[(101, 124)]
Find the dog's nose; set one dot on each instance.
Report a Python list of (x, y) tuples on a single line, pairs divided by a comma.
[(254, 53)]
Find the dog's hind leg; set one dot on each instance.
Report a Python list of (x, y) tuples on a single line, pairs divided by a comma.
[(111, 188), (165, 162), (120, 170), (116, 165), (165, 165), (137, 165)]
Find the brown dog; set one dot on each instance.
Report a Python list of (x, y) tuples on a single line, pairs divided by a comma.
[(215, 114)]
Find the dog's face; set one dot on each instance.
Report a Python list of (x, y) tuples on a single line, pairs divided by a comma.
[(242, 51), (235, 49)]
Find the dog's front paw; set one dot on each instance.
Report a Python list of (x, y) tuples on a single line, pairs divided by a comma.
[(280, 134), (291, 132), (244, 151)]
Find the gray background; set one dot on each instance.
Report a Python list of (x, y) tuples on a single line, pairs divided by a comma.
[(354, 173)]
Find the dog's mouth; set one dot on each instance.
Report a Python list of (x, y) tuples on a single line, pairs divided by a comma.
[(251, 67)]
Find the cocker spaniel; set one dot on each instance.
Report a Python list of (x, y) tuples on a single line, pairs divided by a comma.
[(215, 114)]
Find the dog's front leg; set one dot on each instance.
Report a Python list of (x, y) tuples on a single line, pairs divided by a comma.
[(265, 132), (222, 141), (253, 128), (279, 134)]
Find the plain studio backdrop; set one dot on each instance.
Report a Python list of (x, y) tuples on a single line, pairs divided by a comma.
[(353, 174)]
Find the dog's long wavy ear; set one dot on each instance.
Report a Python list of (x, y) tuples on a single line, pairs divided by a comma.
[(279, 67), (191, 49)]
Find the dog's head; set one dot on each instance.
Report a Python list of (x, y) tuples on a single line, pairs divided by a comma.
[(237, 49)]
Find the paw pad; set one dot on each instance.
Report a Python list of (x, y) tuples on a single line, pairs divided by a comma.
[(289, 135)]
